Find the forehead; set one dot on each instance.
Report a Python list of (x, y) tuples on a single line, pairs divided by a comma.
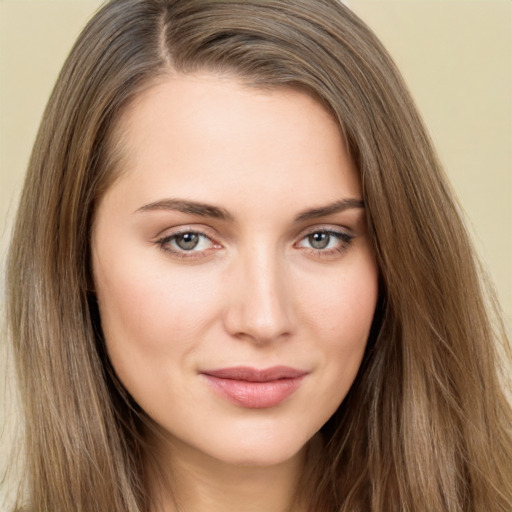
[(206, 134)]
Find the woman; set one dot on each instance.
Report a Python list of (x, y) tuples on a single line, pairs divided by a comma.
[(239, 280)]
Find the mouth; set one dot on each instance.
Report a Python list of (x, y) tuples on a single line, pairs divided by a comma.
[(255, 389)]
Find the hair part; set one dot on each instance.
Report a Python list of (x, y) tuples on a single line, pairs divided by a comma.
[(426, 420)]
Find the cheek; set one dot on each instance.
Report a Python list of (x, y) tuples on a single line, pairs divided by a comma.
[(341, 305), (150, 314), (341, 315), (153, 324)]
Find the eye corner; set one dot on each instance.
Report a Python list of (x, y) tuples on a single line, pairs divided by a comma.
[(188, 244), (330, 242)]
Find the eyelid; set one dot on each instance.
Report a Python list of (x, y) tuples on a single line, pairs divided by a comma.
[(170, 234), (344, 235), (342, 232), (185, 228)]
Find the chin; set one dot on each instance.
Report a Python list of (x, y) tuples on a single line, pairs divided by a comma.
[(259, 446)]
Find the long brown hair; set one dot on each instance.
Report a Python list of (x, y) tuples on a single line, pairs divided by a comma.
[(426, 423)]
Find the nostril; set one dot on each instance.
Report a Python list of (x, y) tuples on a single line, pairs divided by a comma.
[(261, 317), (260, 299)]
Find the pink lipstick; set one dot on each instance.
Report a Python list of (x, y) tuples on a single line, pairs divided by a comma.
[(255, 389)]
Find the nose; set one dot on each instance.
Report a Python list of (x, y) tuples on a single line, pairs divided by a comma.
[(260, 305)]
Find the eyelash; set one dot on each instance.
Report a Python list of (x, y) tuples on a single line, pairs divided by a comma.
[(344, 242), (164, 242)]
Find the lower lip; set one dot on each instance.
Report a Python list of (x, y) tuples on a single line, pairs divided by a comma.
[(255, 395)]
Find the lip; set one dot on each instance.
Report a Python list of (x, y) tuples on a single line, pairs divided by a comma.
[(254, 388)]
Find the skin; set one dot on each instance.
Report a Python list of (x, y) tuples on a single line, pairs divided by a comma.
[(254, 292)]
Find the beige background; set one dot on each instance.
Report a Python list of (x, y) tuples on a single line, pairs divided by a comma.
[(456, 56)]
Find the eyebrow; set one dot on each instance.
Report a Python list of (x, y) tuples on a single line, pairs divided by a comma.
[(192, 207), (330, 209), (216, 212)]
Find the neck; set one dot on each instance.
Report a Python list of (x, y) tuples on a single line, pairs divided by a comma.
[(188, 481)]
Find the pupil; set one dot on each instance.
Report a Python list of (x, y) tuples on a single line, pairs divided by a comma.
[(187, 241), (319, 240)]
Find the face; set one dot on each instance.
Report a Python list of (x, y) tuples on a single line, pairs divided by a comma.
[(233, 271)]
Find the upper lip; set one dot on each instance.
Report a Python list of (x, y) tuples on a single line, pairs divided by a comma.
[(248, 374)]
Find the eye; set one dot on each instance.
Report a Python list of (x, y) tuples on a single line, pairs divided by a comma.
[(187, 243), (320, 240), (326, 241)]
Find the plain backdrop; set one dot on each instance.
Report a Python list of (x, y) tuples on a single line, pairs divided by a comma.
[(456, 56)]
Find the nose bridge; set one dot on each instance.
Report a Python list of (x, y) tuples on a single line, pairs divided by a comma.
[(260, 306)]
